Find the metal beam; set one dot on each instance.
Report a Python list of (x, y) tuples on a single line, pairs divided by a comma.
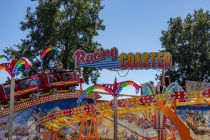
[(11, 106)]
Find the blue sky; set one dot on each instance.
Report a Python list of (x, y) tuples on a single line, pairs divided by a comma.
[(131, 26)]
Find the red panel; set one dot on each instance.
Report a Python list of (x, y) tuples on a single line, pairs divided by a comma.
[(178, 95), (51, 116), (90, 108), (206, 93), (68, 112), (146, 99)]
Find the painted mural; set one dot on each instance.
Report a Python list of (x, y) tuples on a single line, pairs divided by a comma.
[(24, 121), (135, 126)]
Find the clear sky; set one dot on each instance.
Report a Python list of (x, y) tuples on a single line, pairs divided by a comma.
[(131, 26)]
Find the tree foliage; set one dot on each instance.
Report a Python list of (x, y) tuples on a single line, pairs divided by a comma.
[(67, 24), (188, 40)]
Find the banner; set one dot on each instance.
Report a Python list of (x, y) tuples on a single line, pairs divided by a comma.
[(110, 59)]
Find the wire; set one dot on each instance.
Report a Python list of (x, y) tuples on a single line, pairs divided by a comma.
[(118, 72), (123, 75)]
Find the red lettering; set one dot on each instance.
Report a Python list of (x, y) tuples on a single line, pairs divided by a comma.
[(101, 54), (82, 57), (79, 57), (106, 54), (114, 54), (96, 56), (89, 58)]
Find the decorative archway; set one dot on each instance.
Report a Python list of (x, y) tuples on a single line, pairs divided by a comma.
[(148, 89), (91, 89), (173, 87), (45, 51), (102, 87), (19, 63), (125, 84)]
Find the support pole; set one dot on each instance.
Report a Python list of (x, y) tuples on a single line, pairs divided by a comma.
[(115, 110), (115, 118), (159, 134), (163, 78), (11, 106), (162, 134), (81, 75)]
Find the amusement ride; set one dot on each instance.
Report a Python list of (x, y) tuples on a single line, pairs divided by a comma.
[(155, 104)]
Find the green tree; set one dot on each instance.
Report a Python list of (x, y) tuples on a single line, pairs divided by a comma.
[(67, 24), (188, 40)]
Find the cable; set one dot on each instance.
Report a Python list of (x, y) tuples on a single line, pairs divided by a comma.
[(123, 75), (117, 70)]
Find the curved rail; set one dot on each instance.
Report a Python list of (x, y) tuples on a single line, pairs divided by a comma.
[(48, 98)]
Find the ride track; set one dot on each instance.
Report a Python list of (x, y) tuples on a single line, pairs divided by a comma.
[(47, 97), (90, 116), (94, 113)]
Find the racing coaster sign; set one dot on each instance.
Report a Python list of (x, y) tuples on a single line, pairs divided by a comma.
[(110, 59)]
